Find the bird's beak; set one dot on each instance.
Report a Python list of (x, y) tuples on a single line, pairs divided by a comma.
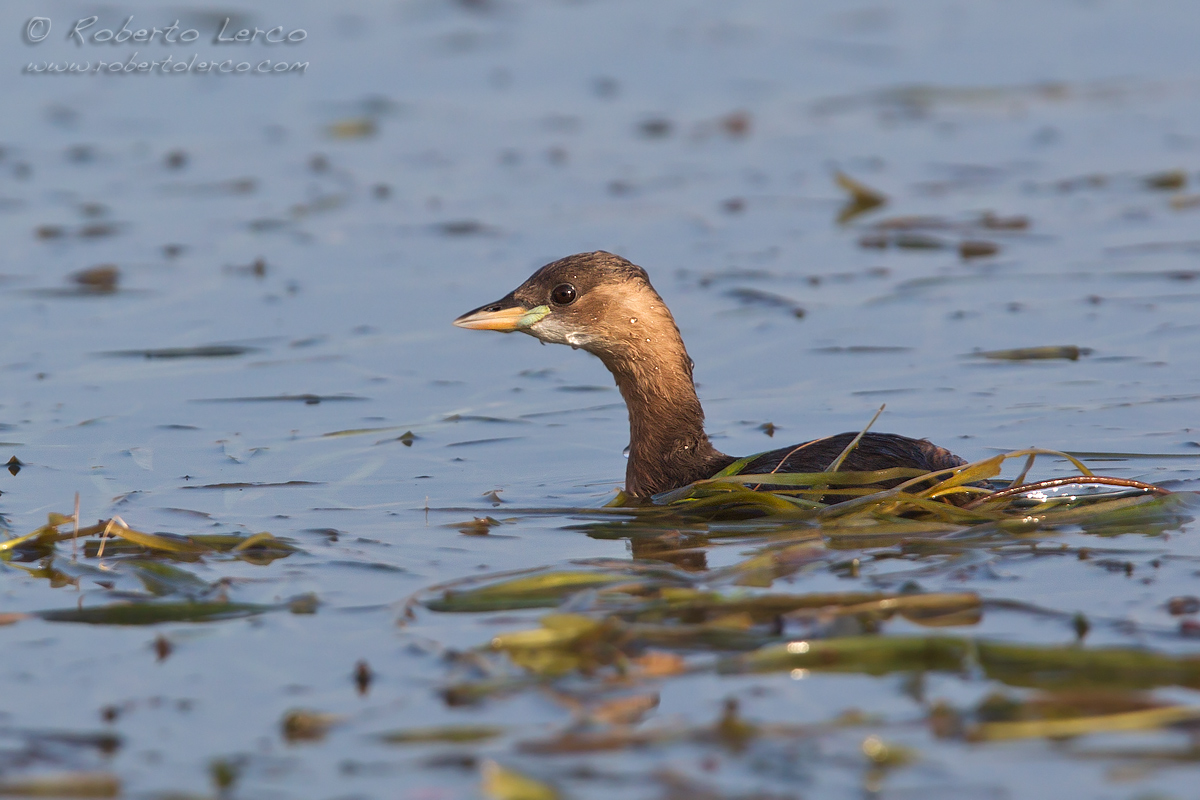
[(505, 315)]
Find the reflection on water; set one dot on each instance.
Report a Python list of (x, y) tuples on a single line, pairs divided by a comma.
[(227, 303)]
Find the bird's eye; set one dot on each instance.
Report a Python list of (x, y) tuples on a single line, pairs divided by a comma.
[(563, 295)]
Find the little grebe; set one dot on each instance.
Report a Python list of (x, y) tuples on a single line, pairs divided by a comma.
[(604, 304)]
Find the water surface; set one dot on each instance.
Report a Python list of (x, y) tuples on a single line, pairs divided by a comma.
[(291, 248)]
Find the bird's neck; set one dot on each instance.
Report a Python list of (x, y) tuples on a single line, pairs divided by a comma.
[(668, 447)]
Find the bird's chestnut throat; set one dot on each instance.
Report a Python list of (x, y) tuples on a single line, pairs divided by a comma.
[(667, 443)]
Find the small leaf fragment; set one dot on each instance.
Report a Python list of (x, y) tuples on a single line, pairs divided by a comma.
[(502, 783)]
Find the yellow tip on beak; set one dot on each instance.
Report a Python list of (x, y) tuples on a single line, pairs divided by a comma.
[(505, 320)]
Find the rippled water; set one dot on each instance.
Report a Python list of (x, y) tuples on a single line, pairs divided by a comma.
[(316, 231)]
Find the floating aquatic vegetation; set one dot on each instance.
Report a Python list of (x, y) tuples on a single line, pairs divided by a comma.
[(614, 628), (862, 198), (503, 783), (1068, 352), (100, 280), (67, 784), (453, 734), (542, 590), (462, 227), (1067, 713), (360, 432), (305, 725), (479, 526), (233, 186), (957, 495), (201, 351), (1169, 181), (977, 248), (154, 613), (934, 233), (91, 230), (307, 399), (353, 128), (251, 485), (655, 128), (920, 99), (1048, 667), (171, 593)]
